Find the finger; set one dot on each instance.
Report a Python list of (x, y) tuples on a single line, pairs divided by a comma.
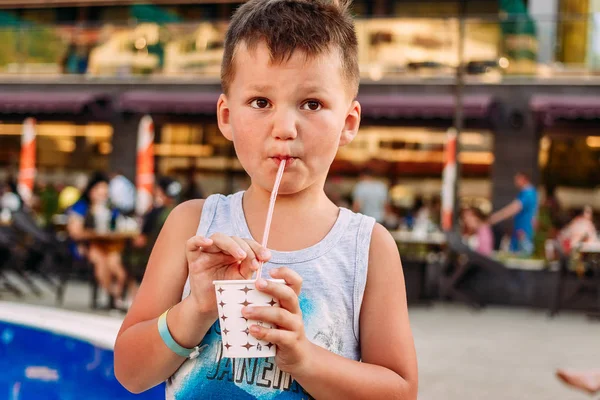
[(225, 244), (275, 315), (197, 242), (288, 299), (278, 337), (262, 253), (291, 278), (249, 264)]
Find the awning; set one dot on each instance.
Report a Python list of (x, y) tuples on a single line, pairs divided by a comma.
[(416, 106), (51, 102), (153, 102), (552, 107)]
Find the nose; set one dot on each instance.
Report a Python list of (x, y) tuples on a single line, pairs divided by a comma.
[(284, 125)]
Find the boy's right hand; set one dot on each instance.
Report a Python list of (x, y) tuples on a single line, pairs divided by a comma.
[(220, 257)]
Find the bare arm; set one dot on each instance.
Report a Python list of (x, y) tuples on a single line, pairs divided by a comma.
[(389, 365), (508, 211), (76, 228), (142, 360)]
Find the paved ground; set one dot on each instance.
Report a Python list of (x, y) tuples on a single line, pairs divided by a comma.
[(494, 354), (500, 353)]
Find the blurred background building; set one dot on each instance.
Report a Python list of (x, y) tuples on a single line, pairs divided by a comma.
[(89, 70)]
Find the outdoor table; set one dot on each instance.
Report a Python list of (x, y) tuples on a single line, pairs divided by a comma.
[(421, 255), (114, 241), (112, 236)]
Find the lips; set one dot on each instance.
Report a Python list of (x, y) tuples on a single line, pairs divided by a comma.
[(278, 159)]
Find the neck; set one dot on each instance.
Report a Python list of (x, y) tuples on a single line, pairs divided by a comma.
[(300, 204), (309, 209)]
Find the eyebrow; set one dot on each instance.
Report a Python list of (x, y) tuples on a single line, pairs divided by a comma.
[(260, 88), (313, 89), (310, 89)]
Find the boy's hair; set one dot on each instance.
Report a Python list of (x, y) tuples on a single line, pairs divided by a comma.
[(312, 26)]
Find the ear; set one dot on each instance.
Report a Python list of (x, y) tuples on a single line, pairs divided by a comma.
[(223, 117), (351, 124)]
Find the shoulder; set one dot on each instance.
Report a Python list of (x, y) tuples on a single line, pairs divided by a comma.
[(528, 194), (383, 252), (382, 241), (186, 216), (80, 207)]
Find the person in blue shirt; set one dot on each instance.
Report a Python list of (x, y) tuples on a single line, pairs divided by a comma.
[(524, 210)]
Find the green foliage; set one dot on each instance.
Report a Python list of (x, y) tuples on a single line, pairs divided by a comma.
[(43, 45), (8, 46)]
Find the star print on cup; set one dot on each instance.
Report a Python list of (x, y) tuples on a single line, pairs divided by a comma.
[(238, 342)]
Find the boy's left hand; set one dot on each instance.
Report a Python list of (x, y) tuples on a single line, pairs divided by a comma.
[(292, 345)]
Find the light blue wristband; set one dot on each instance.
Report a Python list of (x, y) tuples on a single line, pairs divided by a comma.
[(175, 347)]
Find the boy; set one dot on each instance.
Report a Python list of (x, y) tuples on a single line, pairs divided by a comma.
[(289, 78)]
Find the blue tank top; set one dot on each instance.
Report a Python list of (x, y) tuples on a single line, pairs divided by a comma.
[(334, 273)]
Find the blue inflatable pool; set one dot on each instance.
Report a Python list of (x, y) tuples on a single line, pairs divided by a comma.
[(48, 354)]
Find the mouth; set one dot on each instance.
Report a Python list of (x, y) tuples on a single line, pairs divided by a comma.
[(278, 159)]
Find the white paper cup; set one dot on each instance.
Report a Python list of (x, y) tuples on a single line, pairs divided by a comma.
[(232, 296)]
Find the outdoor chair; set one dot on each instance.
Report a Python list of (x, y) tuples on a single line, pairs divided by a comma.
[(16, 263), (466, 262), (587, 281), (44, 255), (7, 242)]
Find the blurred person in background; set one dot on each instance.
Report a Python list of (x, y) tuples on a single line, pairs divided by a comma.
[(90, 215), (524, 210), (69, 60), (418, 209), (436, 210), (370, 196), (11, 200), (549, 221), (166, 195), (333, 190), (9, 203), (193, 190), (580, 230), (478, 233), (391, 219), (422, 217), (75, 59), (122, 193)]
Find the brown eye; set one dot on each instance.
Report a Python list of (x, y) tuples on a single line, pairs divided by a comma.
[(260, 103), (312, 105)]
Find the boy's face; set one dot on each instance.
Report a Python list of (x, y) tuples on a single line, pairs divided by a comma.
[(299, 110)]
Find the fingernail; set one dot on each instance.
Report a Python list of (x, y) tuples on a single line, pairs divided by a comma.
[(255, 264), (261, 283), (265, 253), (254, 329), (247, 310), (241, 253)]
